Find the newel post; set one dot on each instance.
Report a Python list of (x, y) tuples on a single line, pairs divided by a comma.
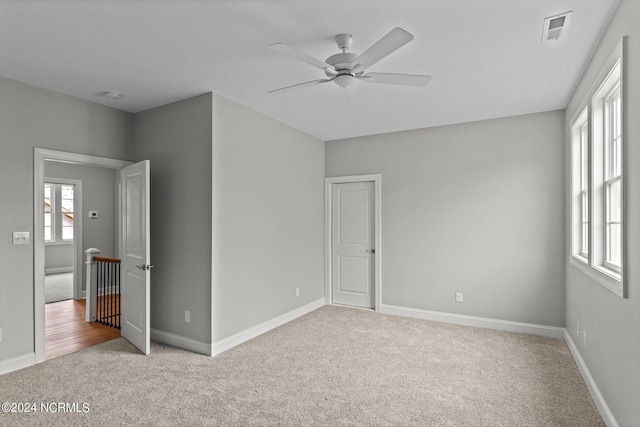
[(91, 284)]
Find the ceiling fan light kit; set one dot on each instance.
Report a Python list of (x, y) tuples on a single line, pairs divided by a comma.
[(346, 68)]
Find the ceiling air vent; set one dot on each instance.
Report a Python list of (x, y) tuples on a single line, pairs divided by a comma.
[(555, 27)]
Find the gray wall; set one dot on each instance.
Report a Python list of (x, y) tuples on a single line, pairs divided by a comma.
[(33, 117), (476, 208), (267, 218), (176, 138), (266, 201), (612, 323), (58, 258), (98, 194)]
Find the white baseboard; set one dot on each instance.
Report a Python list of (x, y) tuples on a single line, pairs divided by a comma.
[(234, 340), (58, 270), (479, 322), (16, 363), (181, 342), (603, 408)]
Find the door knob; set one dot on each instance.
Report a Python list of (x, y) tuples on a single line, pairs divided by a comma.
[(145, 267), (371, 251)]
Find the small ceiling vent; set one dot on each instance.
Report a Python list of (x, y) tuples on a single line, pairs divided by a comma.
[(555, 27)]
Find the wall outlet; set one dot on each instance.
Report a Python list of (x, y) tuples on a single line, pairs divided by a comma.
[(297, 292), (459, 297), (578, 329), (21, 238), (187, 316)]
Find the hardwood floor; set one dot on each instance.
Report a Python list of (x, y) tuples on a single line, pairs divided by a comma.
[(67, 331)]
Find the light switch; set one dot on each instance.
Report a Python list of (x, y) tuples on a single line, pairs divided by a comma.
[(21, 238)]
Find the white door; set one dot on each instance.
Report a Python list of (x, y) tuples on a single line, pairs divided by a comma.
[(135, 274), (352, 240)]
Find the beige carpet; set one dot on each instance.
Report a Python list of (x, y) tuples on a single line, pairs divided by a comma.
[(335, 366), (58, 287)]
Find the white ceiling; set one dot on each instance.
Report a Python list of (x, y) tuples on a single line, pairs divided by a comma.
[(485, 56)]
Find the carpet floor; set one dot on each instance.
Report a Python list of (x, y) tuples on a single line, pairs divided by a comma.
[(58, 287), (335, 366)]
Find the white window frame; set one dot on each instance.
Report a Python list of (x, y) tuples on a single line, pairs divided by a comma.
[(612, 171), (56, 223), (52, 214), (595, 113), (580, 210)]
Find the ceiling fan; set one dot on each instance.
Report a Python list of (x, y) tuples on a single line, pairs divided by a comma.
[(344, 69)]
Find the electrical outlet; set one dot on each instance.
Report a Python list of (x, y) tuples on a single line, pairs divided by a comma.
[(297, 292), (459, 297), (578, 329), (584, 338), (187, 316)]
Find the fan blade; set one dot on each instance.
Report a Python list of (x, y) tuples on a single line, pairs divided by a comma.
[(396, 79), (296, 54), (393, 41), (299, 85)]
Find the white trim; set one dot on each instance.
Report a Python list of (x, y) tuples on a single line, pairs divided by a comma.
[(40, 155), (599, 275), (601, 404), (328, 186), (180, 342), (575, 171), (237, 339), (58, 270), (18, 362), (595, 267), (617, 53), (478, 322), (82, 159)]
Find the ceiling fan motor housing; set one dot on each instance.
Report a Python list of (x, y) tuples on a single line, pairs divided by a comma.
[(343, 64), (341, 61)]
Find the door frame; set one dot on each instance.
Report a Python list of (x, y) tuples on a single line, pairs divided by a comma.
[(77, 232), (377, 230), (40, 155)]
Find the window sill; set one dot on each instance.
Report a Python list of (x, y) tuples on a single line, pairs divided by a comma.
[(607, 278), (609, 273), (58, 243), (582, 259)]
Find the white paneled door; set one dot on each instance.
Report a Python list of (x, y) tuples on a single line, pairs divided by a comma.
[(352, 244), (135, 274)]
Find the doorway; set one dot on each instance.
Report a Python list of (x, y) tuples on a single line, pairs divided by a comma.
[(353, 241), (62, 237), (68, 230), (40, 157)]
